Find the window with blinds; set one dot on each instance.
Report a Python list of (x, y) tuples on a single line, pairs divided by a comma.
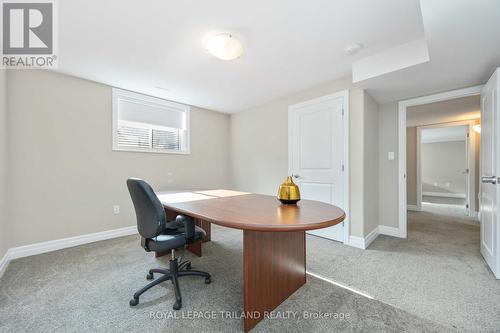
[(148, 124)]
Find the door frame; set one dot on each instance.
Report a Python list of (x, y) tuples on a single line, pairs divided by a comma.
[(402, 106), (344, 94), (471, 163)]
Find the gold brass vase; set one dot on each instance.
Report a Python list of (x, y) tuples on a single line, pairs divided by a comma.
[(288, 192)]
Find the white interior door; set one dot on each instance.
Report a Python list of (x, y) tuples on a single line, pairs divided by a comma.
[(490, 153), (316, 153)]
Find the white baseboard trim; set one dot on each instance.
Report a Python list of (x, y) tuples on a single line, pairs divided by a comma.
[(358, 242), (371, 237), (414, 208), (4, 262), (58, 244), (389, 231), (363, 243), (444, 195)]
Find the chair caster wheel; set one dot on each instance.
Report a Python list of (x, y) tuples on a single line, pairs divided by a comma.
[(188, 267), (134, 302), (208, 280), (177, 305), (149, 276)]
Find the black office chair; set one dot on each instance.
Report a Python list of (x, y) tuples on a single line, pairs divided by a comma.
[(160, 235)]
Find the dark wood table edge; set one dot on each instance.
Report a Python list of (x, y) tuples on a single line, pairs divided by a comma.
[(266, 249), (257, 227)]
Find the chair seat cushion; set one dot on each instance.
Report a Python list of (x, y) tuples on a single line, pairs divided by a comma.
[(173, 239)]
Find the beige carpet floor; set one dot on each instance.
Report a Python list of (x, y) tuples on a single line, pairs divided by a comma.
[(435, 281), (437, 273)]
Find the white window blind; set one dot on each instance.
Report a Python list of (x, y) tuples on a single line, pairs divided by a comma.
[(166, 139), (130, 136), (148, 124)]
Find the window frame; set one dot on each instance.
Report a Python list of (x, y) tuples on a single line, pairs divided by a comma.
[(119, 94)]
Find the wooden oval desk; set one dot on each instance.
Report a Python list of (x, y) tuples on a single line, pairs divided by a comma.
[(274, 243)]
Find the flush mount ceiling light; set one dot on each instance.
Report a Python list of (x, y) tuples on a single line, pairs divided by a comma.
[(224, 46)]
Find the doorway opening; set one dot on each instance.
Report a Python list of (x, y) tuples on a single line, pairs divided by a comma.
[(439, 110)]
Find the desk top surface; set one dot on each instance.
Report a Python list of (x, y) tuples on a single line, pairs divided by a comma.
[(249, 211)]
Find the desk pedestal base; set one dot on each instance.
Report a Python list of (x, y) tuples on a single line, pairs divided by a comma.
[(274, 267)]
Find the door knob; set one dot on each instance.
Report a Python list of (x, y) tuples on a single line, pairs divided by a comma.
[(489, 179)]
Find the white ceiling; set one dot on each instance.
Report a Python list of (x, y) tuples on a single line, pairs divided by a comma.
[(457, 109), (463, 42), (289, 46), (444, 134)]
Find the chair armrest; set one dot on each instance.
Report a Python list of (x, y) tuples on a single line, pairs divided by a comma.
[(144, 244), (189, 228)]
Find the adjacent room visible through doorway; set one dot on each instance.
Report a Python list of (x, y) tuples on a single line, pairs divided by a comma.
[(444, 170)]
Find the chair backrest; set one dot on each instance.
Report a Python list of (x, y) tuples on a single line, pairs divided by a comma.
[(151, 216)]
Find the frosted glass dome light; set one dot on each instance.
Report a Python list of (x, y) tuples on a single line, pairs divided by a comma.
[(224, 46)]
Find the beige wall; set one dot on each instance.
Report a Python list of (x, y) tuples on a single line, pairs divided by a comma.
[(371, 165), (64, 178), (411, 166), (457, 109), (259, 146), (3, 164), (388, 170), (442, 165)]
